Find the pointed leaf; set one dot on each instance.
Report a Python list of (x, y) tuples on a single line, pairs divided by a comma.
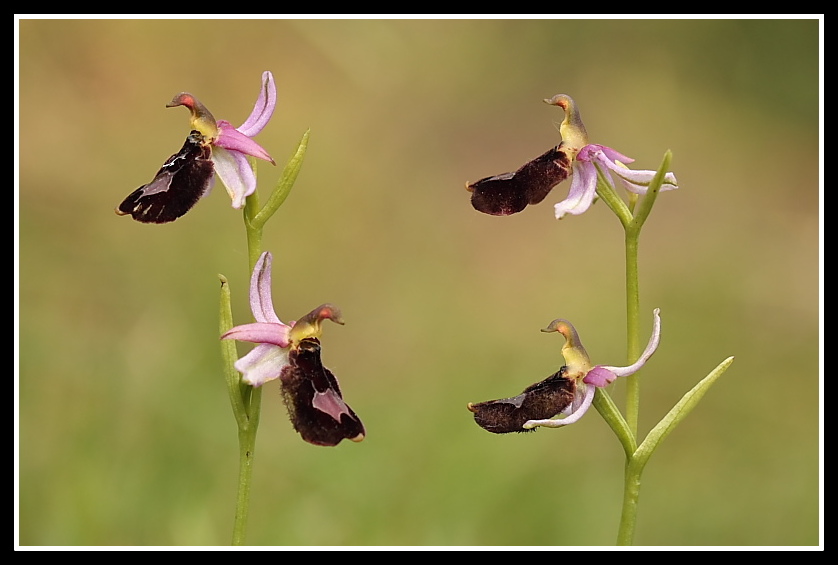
[(285, 184), (678, 413), (235, 389)]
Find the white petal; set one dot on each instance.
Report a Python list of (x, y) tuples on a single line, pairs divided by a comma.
[(582, 191), (638, 181), (264, 363), (235, 172)]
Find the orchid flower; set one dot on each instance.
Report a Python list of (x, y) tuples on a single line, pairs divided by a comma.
[(509, 193), (266, 361), (568, 392), (274, 337), (230, 145), (589, 157), (291, 352)]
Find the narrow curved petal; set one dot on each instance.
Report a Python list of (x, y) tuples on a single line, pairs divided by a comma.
[(233, 140), (587, 400), (582, 191), (275, 334), (236, 174), (264, 363), (638, 181), (263, 109), (650, 349), (614, 155), (261, 303)]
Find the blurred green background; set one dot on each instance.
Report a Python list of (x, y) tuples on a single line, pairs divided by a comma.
[(126, 436)]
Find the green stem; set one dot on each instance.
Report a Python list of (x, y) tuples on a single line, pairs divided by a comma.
[(631, 495), (631, 480), (636, 458), (633, 347), (253, 230), (247, 449), (247, 400), (251, 397)]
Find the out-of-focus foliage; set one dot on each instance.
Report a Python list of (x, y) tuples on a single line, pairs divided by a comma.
[(125, 430)]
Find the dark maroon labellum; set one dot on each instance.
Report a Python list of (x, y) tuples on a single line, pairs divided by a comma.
[(182, 180), (314, 401), (509, 193), (538, 402)]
